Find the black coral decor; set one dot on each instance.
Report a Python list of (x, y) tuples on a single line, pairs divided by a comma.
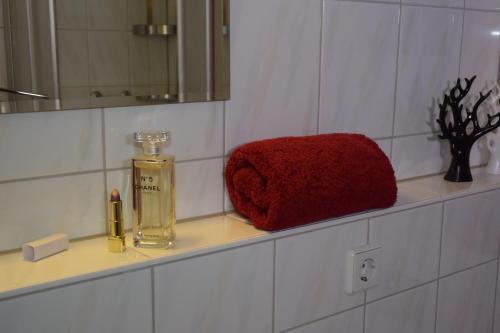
[(462, 129)]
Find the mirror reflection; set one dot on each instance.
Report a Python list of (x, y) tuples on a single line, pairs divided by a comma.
[(71, 54)]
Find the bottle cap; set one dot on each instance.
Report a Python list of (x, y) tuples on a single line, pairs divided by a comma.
[(152, 141)]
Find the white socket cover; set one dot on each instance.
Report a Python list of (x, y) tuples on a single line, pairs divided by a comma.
[(363, 269)]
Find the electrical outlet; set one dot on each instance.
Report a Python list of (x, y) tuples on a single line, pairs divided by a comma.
[(363, 268)]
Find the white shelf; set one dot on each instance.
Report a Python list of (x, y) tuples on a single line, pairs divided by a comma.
[(89, 259)]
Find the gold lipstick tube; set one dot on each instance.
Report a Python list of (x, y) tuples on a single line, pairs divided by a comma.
[(116, 231)]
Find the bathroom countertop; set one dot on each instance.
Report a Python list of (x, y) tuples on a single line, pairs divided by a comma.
[(88, 259)]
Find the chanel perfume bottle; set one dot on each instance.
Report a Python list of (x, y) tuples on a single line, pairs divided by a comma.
[(153, 192)]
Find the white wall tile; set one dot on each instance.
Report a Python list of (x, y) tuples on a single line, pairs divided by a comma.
[(419, 155), (198, 189), (410, 243), (120, 303), (429, 54), (413, 311), (471, 232), (310, 274), (274, 69), (226, 292), (34, 209), (385, 145), (195, 128), (483, 4), (426, 154), (480, 48), (447, 3), (358, 67), (40, 144), (465, 302), (347, 322)]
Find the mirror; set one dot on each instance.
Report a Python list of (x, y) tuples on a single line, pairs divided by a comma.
[(75, 54)]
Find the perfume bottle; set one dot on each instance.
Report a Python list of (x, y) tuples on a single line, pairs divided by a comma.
[(153, 192)]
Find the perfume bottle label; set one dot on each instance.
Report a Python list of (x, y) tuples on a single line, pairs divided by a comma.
[(148, 184)]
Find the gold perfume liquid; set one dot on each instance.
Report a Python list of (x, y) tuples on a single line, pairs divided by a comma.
[(153, 194)]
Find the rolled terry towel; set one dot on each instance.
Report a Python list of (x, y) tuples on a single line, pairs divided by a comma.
[(286, 182)]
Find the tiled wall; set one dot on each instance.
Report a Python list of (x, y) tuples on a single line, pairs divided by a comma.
[(298, 67), (438, 273)]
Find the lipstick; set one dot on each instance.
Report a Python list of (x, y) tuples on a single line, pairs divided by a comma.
[(116, 231)]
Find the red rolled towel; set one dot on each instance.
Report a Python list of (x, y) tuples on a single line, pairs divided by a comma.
[(286, 182)]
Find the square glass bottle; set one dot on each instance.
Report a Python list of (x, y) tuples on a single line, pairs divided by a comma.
[(153, 192)]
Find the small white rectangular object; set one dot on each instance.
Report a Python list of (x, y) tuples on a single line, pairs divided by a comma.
[(363, 268), (42, 248)]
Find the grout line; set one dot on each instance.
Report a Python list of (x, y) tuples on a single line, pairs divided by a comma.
[(223, 155), (430, 281), (461, 44), (495, 301), (406, 135), (61, 175), (103, 138), (364, 311), (199, 159), (322, 318), (273, 323), (441, 236), (365, 292), (153, 300), (400, 19), (368, 223), (320, 65), (467, 269), (402, 291), (78, 173)]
